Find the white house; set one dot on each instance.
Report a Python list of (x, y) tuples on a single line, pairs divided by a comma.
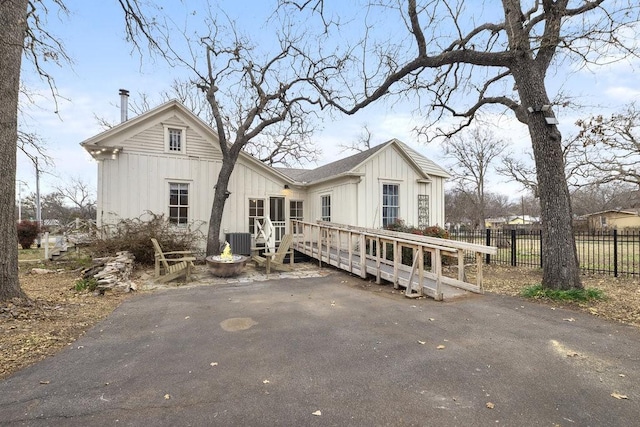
[(167, 161)]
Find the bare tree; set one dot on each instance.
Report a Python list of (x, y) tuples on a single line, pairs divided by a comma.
[(274, 91), (22, 32), (458, 207), (81, 197), (523, 171), (286, 144), (184, 91), (455, 51), (362, 142), (599, 197), (610, 147), (13, 18), (473, 153), (250, 92)]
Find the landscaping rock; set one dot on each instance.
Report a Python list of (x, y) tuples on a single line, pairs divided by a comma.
[(112, 273)]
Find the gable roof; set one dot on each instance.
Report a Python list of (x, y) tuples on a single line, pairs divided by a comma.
[(348, 165), (131, 123), (342, 167), (630, 211), (330, 170), (426, 164), (92, 144)]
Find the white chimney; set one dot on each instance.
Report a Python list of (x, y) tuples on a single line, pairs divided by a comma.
[(124, 105)]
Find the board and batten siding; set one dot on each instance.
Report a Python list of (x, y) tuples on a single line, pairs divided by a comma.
[(391, 167), (139, 182), (344, 205), (357, 199), (249, 182), (151, 140)]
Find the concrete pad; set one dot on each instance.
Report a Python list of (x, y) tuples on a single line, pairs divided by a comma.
[(276, 352)]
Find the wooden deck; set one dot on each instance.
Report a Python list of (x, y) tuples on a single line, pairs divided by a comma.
[(340, 246)]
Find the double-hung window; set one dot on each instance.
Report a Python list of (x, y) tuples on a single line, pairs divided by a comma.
[(256, 214), (390, 203), (325, 203), (295, 212), (178, 203)]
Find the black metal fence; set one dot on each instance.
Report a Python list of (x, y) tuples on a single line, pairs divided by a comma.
[(616, 253)]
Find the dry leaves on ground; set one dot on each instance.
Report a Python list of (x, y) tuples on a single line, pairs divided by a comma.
[(622, 294), (54, 318)]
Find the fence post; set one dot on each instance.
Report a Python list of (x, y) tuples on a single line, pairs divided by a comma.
[(615, 252), (513, 247), (488, 257), (540, 237)]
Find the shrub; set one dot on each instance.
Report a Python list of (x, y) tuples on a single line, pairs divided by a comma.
[(431, 231), (407, 253), (27, 233), (134, 235), (82, 285)]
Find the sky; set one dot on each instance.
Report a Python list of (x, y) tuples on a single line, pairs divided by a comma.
[(104, 62)]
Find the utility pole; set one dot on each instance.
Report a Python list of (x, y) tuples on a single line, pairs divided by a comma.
[(38, 211)]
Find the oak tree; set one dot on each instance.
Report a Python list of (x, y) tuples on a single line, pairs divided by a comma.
[(465, 57)]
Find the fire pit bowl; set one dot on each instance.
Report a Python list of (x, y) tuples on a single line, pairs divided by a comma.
[(225, 267)]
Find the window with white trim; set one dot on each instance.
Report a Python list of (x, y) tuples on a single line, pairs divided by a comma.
[(390, 203), (295, 212), (256, 213), (178, 203), (175, 139), (325, 203)]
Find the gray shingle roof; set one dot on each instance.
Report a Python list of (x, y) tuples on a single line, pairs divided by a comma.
[(330, 169), (427, 165), (348, 164)]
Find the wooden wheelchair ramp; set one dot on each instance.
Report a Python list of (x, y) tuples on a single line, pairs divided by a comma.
[(415, 263)]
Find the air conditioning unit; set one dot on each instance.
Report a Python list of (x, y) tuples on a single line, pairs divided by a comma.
[(240, 243)]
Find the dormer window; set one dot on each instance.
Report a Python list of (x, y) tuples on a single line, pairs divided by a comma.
[(175, 139)]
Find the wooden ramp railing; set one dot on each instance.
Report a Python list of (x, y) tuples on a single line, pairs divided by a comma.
[(379, 253)]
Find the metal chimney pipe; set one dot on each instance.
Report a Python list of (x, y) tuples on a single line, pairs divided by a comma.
[(124, 105)]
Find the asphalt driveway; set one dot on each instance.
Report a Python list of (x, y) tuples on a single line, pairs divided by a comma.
[(321, 351)]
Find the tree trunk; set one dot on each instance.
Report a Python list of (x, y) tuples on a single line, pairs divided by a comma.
[(12, 32), (220, 197), (217, 209), (560, 268)]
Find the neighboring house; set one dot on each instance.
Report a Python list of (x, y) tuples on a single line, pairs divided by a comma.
[(511, 221), (614, 219), (167, 161), (495, 223)]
